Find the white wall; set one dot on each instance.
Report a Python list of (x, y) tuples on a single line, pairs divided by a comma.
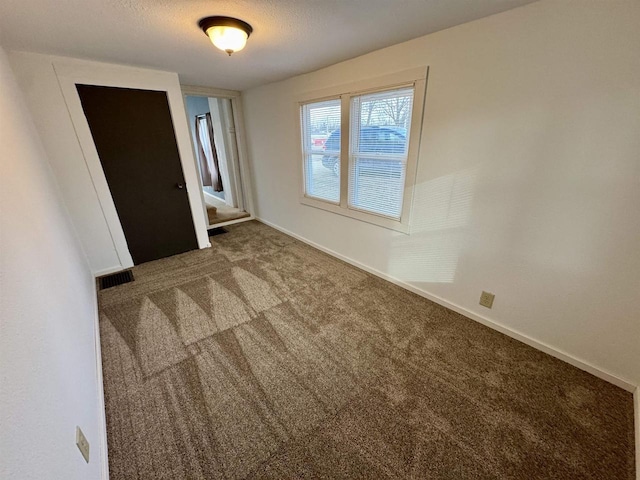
[(38, 81), (41, 78), (528, 182), (49, 377), (196, 106)]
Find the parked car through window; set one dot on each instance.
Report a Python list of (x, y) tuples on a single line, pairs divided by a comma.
[(374, 140)]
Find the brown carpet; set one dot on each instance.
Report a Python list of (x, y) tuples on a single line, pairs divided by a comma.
[(219, 214), (262, 357)]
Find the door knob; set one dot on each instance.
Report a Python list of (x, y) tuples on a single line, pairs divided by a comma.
[(180, 185)]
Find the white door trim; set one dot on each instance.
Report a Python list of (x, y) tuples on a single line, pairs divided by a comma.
[(70, 73), (223, 143), (242, 174)]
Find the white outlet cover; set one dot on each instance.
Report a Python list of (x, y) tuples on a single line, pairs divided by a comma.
[(486, 299), (82, 443)]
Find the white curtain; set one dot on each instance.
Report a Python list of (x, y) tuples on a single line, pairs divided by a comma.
[(207, 155)]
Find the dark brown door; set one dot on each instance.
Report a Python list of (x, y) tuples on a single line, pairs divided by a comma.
[(134, 137)]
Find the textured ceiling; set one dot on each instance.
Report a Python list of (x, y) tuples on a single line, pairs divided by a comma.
[(289, 37)]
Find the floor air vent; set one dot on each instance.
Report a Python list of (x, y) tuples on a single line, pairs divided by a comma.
[(217, 231), (114, 279)]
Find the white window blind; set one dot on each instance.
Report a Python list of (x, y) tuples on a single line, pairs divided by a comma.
[(379, 138), (321, 149)]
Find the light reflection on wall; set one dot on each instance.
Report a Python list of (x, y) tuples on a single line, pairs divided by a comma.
[(441, 210)]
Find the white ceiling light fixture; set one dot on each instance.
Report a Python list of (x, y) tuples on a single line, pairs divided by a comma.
[(226, 33)]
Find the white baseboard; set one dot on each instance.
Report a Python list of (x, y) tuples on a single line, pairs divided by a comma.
[(103, 448), (211, 199), (636, 409), (107, 271), (554, 352), (231, 222)]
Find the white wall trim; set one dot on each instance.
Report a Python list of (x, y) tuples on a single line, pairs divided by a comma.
[(636, 416), (543, 347), (110, 270), (102, 414), (72, 71), (243, 168), (209, 199), (232, 222), (197, 91), (222, 146), (240, 160)]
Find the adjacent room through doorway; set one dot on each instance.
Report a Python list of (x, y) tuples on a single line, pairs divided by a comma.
[(216, 150)]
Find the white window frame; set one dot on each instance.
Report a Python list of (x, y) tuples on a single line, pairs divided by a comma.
[(416, 78), (305, 152)]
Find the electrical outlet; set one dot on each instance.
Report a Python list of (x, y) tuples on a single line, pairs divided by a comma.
[(486, 299), (82, 443)]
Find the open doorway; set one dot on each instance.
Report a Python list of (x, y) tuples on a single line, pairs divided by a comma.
[(213, 132)]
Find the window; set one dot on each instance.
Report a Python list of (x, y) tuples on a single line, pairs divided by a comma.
[(378, 151), (319, 119), (360, 150)]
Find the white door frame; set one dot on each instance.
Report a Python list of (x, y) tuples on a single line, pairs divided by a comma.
[(222, 144), (70, 73), (242, 172)]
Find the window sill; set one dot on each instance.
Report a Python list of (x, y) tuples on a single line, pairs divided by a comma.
[(372, 218)]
